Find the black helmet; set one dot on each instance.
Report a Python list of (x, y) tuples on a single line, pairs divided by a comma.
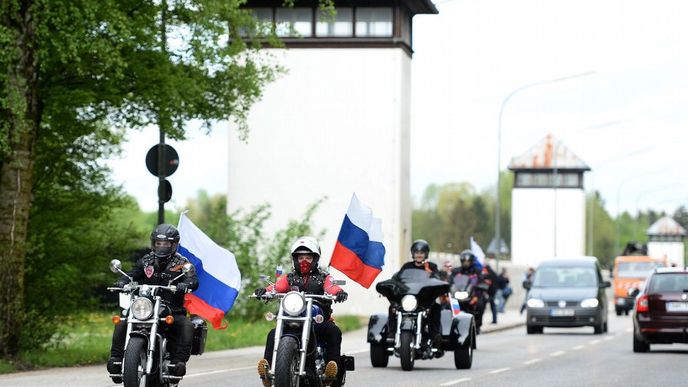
[(467, 255), (165, 232), (420, 245)]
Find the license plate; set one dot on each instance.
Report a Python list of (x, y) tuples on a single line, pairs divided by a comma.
[(677, 306), (563, 312)]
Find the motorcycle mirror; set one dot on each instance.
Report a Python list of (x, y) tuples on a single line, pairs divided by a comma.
[(115, 265)]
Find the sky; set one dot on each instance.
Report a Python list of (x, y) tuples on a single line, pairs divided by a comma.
[(621, 107)]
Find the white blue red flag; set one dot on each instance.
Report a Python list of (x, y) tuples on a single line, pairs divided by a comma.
[(359, 252), (455, 306), (479, 253), (219, 279)]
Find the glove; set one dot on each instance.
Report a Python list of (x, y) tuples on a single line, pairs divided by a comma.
[(341, 296), (183, 287), (128, 287), (259, 292)]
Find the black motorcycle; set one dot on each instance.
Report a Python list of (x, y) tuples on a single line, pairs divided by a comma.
[(404, 331), (298, 357), (471, 296), (146, 359)]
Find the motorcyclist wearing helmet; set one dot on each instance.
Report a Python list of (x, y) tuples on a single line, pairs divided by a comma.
[(420, 250), (158, 267), (308, 278), (469, 268)]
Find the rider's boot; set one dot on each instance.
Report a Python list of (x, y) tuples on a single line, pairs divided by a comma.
[(114, 366), (331, 371), (177, 368), (263, 368)]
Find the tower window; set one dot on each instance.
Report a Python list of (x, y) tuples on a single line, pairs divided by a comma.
[(374, 21), (294, 22), (341, 25)]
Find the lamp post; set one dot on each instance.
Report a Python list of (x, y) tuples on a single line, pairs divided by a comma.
[(498, 236)]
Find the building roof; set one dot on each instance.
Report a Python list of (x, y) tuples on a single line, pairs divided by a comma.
[(415, 6), (666, 226), (548, 154)]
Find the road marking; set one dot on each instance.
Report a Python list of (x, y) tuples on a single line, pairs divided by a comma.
[(532, 361), (558, 353), (457, 381), (219, 371), (608, 338), (578, 347), (500, 370), (629, 329), (594, 342)]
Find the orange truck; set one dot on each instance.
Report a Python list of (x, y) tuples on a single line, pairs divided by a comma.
[(630, 271)]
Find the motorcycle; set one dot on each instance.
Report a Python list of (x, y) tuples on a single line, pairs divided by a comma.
[(146, 359), (471, 296), (404, 331), (297, 359)]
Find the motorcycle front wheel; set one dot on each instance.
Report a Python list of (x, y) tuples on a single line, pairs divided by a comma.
[(287, 363), (406, 351), (134, 362)]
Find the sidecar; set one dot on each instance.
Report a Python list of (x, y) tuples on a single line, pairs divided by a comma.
[(458, 335)]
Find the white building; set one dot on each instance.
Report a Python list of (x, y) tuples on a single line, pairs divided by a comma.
[(337, 123), (666, 241), (547, 203)]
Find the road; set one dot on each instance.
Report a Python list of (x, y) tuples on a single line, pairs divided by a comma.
[(559, 357)]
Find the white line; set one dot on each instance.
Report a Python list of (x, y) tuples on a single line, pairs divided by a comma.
[(532, 361), (558, 353), (578, 347), (499, 370), (594, 342), (457, 381), (357, 352), (629, 329), (608, 338), (219, 371)]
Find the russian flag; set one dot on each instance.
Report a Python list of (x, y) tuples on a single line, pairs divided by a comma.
[(455, 306), (479, 253), (359, 252), (219, 280)]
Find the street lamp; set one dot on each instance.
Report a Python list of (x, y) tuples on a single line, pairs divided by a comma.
[(498, 236)]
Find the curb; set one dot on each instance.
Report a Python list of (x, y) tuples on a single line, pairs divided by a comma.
[(502, 327)]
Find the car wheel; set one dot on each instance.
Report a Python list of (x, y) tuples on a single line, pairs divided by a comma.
[(618, 312), (599, 328), (640, 346), (606, 326), (626, 312), (531, 329)]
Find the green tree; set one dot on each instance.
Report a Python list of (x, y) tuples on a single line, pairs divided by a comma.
[(76, 67), (603, 230)]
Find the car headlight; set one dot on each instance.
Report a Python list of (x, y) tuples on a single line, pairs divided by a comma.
[(293, 303), (461, 296), (142, 308), (409, 303), (536, 303), (590, 303)]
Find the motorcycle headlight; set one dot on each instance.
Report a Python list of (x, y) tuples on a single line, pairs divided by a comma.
[(461, 296), (536, 303), (293, 303), (409, 303), (590, 303), (142, 308)]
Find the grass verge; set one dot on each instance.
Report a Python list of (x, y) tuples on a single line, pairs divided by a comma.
[(88, 339)]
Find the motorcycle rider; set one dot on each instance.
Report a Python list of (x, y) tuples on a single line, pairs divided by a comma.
[(157, 268), (309, 278), (468, 268), (420, 250)]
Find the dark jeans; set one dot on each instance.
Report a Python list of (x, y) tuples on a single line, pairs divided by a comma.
[(327, 332), (179, 338)]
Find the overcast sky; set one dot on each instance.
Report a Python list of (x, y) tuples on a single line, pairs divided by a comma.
[(627, 119)]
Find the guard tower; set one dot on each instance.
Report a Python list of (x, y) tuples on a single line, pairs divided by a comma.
[(547, 203), (666, 241), (336, 123)]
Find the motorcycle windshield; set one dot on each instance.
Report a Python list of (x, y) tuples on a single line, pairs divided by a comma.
[(414, 282), (461, 282)]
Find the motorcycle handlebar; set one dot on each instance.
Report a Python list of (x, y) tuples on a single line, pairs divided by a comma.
[(268, 296)]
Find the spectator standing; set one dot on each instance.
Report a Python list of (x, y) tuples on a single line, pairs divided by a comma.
[(445, 273), (527, 280), (504, 291), (491, 278)]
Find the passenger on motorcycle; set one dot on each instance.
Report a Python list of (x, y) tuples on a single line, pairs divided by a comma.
[(309, 278), (157, 268), (420, 250), (468, 268)]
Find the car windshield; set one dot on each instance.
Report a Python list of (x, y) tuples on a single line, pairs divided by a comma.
[(669, 282), (565, 277), (635, 269)]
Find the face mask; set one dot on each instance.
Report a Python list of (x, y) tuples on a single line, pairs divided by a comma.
[(305, 267)]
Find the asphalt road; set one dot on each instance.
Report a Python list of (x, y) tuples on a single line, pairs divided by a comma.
[(559, 357)]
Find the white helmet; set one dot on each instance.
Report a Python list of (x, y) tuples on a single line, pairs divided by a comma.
[(306, 244)]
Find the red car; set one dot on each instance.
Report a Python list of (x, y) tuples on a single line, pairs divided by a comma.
[(661, 309)]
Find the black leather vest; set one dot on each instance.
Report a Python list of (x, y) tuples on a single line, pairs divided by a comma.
[(314, 283)]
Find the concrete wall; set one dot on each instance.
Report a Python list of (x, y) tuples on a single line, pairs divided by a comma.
[(533, 225), (673, 251), (336, 124)]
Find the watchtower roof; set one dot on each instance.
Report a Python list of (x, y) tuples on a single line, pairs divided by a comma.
[(548, 154), (666, 226)]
